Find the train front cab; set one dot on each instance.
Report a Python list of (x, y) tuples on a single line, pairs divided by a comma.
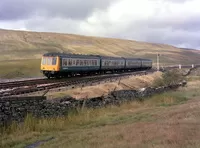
[(50, 66)]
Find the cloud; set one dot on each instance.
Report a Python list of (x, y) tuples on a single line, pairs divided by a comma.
[(174, 22), (76, 9)]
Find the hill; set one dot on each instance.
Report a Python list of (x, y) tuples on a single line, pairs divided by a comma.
[(23, 50)]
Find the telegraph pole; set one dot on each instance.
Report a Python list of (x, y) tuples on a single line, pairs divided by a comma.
[(158, 61)]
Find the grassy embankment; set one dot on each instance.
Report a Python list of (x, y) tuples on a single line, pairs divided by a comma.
[(20, 69), (164, 120), (27, 48)]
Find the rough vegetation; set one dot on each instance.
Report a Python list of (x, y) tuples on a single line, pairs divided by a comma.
[(170, 114), (168, 78), (163, 120), (22, 48)]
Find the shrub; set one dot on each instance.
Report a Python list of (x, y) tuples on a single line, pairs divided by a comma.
[(168, 78)]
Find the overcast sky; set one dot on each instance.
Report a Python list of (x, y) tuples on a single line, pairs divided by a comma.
[(175, 22)]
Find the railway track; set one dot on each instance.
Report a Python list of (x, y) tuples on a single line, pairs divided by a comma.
[(31, 82), (10, 85), (67, 83), (35, 85), (34, 82)]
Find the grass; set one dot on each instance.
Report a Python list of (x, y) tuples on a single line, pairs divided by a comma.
[(193, 78), (20, 68), (138, 124), (168, 99)]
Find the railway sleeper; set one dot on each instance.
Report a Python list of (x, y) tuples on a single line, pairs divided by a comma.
[(72, 83)]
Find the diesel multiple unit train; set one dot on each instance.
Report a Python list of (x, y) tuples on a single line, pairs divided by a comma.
[(56, 65)]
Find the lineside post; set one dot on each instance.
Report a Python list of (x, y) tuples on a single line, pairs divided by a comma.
[(158, 68), (179, 66)]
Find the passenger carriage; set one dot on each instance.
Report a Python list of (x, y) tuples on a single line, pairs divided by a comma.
[(62, 64)]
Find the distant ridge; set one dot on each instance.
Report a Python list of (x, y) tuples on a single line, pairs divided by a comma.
[(17, 44)]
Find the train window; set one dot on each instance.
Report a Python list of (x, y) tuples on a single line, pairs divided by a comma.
[(84, 62), (64, 62), (43, 61), (48, 61), (69, 62), (77, 62), (54, 61), (74, 62)]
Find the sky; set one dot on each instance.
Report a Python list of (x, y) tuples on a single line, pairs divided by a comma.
[(174, 22)]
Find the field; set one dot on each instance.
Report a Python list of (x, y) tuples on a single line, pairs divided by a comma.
[(23, 50), (163, 120)]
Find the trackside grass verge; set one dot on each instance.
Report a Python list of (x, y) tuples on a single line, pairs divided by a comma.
[(75, 129), (20, 68)]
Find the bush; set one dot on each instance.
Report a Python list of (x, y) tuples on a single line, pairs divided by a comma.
[(168, 78)]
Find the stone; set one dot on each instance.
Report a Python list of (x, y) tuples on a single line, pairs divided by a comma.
[(16, 109)]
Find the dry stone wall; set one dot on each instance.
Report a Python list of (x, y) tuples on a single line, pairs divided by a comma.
[(16, 109)]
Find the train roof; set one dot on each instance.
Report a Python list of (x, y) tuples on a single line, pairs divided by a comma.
[(109, 57), (145, 59), (132, 58), (76, 55), (67, 54), (90, 56)]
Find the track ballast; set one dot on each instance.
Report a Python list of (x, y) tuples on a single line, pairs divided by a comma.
[(32, 86)]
